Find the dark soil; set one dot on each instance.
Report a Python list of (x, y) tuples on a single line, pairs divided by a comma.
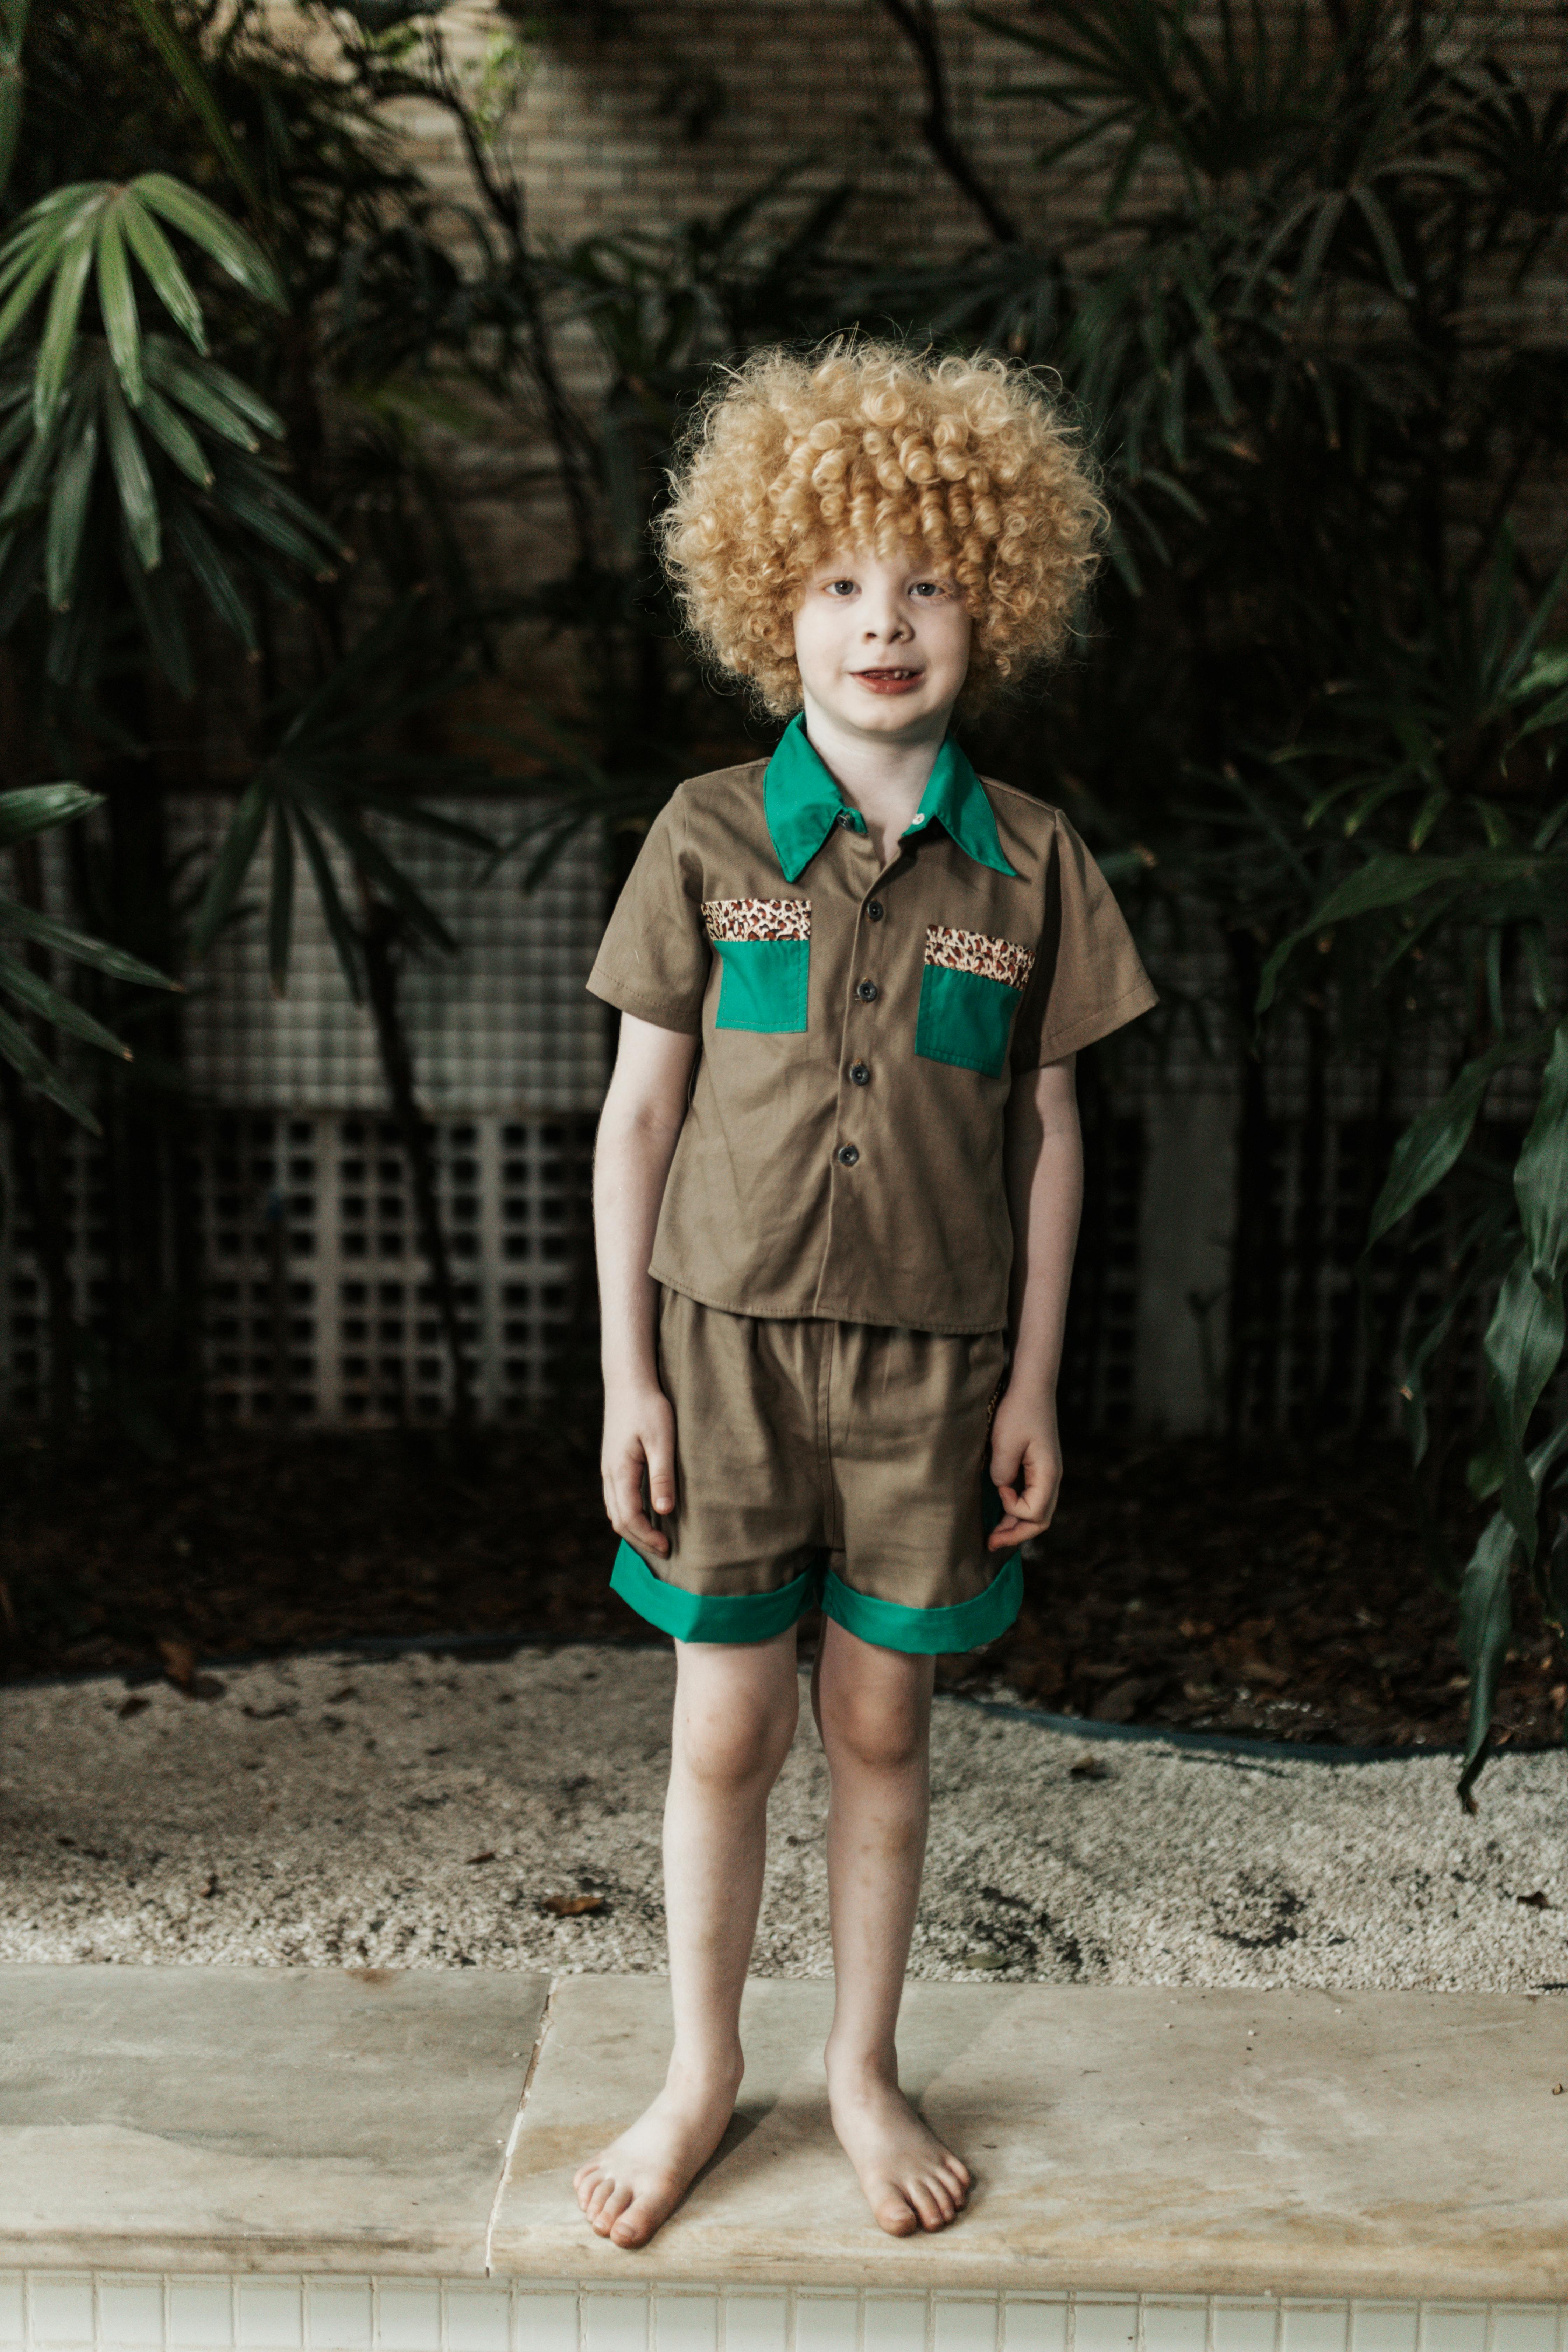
[(1273, 1592)]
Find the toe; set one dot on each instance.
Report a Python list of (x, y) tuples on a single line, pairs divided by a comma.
[(895, 2215), (633, 2229), (941, 2196), (928, 2212), (584, 2181), (607, 2220)]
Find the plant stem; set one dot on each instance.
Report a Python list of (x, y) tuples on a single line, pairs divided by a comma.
[(381, 934)]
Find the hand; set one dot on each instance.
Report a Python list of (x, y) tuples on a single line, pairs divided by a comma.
[(1024, 1446), (639, 1436)]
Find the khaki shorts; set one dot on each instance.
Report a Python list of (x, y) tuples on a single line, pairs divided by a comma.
[(842, 1467)]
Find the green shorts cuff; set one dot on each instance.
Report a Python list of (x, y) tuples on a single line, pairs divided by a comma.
[(928, 1633), (699, 1617)]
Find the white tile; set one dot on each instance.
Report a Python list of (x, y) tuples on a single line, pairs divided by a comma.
[(895, 2323), (60, 2307), (1104, 2326), (1385, 2327), (1518, 2327), (1033, 2322), (201, 2313), (614, 2323), (479, 2318), (1316, 2327), (1454, 2327), (546, 2319), (1244, 2326), (758, 2323), (130, 2311), (826, 2322), (1175, 2326), (408, 2318), (269, 2317), (685, 2322), (338, 2317), (13, 2316), (964, 2326)]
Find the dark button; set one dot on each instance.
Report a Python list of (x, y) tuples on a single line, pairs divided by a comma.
[(846, 818), (875, 911), (847, 1155), (860, 1074), (868, 991)]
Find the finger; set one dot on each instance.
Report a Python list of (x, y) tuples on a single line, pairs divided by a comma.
[(1039, 1494), (661, 1471), (1006, 1460), (630, 1520)]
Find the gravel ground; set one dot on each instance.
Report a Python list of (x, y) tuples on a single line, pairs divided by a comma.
[(418, 1811)]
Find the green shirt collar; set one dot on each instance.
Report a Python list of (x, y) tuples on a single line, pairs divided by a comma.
[(801, 803)]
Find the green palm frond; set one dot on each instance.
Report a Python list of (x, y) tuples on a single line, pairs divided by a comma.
[(24, 814)]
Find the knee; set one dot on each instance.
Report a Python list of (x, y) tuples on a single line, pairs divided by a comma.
[(877, 1733), (731, 1746)]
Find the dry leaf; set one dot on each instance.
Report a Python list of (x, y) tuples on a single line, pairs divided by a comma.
[(573, 1907), (132, 1705), (1088, 1767), (489, 1855), (1536, 1902), (179, 1663)]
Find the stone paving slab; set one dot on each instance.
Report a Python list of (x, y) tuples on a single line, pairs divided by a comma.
[(1166, 2142), (303, 2118), (1125, 2140)]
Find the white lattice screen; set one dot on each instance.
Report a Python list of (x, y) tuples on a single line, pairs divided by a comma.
[(314, 1285)]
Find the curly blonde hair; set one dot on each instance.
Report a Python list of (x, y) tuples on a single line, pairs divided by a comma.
[(869, 445)]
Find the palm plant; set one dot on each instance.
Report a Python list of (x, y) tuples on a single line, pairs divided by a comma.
[(1326, 701), (26, 815)]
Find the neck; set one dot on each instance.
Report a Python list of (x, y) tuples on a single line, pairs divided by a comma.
[(879, 773)]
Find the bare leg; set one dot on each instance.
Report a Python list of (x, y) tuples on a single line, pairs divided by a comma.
[(873, 1708), (735, 1710)]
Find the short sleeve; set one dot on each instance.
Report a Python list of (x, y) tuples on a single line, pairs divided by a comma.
[(1088, 979), (654, 958)]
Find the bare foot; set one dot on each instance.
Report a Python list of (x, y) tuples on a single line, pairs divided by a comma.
[(910, 2180), (632, 2186)]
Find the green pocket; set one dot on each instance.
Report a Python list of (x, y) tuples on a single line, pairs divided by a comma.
[(965, 1018), (763, 984)]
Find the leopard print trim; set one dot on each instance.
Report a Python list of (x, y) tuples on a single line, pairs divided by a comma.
[(972, 951), (757, 919)]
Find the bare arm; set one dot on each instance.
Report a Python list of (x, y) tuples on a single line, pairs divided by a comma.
[(1045, 1197), (639, 1129)]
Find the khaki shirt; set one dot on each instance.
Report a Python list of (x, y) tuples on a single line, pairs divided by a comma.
[(861, 1026)]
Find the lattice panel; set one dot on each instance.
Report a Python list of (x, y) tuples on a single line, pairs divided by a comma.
[(505, 1025), (315, 1288)]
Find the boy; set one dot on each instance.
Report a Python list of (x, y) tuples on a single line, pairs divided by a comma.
[(838, 1178)]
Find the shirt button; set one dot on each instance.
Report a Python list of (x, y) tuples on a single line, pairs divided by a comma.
[(847, 1155), (875, 911), (868, 991), (860, 1074)]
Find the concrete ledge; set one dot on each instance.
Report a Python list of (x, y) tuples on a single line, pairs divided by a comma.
[(1190, 2143), (269, 2118), (1291, 2150)]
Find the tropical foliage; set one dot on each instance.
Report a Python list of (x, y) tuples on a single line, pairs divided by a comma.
[(1317, 719)]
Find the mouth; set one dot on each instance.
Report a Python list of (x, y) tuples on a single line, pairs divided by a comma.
[(889, 680)]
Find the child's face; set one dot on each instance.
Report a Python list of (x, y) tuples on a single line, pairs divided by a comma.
[(882, 644)]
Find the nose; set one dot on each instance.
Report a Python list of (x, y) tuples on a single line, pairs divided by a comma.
[(884, 623)]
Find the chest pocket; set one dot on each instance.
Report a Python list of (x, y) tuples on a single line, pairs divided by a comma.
[(970, 989), (764, 947)]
